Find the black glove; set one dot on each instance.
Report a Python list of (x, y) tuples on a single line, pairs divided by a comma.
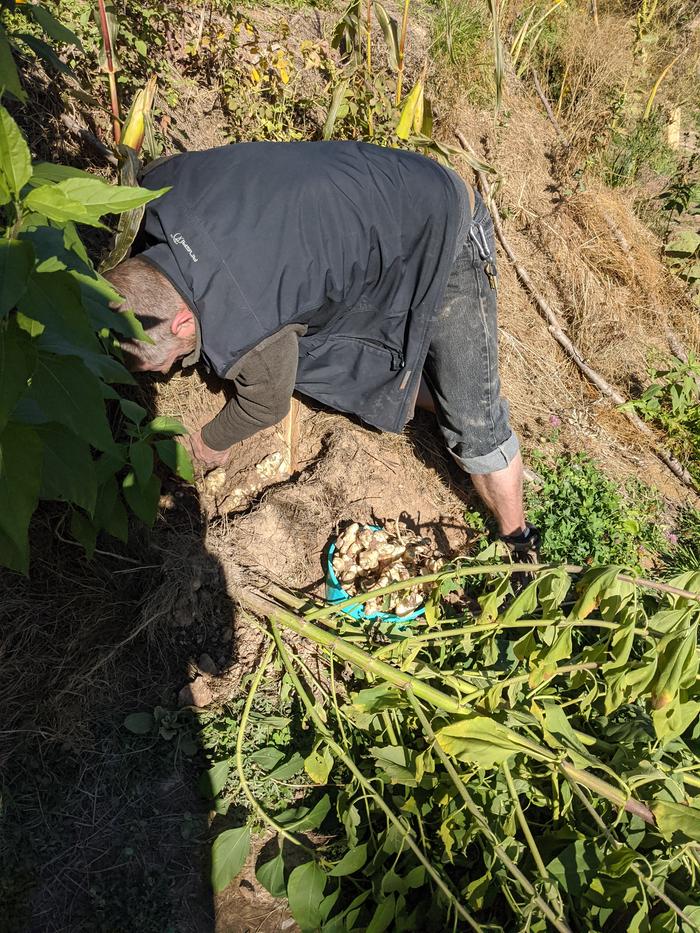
[(524, 547)]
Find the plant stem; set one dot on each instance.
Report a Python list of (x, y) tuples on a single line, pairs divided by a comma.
[(114, 97), (647, 882), (403, 681), (405, 831), (402, 47), (480, 819), (486, 569), (239, 753)]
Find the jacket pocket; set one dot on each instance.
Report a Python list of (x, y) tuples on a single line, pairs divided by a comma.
[(352, 374)]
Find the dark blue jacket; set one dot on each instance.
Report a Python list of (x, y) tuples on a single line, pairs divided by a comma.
[(352, 242)]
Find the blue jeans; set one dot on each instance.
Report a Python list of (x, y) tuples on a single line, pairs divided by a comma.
[(461, 369)]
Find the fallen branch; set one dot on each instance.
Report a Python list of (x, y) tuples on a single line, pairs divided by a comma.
[(75, 127), (548, 107), (556, 330)]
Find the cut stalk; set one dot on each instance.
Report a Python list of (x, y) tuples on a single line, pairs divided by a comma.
[(403, 681), (368, 789), (480, 819)]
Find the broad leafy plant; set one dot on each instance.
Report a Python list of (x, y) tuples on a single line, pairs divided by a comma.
[(525, 763), (65, 432)]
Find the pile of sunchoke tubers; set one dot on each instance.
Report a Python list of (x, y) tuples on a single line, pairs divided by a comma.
[(367, 558)]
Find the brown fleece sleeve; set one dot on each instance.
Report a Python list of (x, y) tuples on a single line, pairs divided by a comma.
[(263, 384)]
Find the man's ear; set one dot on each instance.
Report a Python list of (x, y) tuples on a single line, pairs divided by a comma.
[(182, 325)]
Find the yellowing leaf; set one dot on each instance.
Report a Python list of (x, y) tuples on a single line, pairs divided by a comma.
[(412, 106)]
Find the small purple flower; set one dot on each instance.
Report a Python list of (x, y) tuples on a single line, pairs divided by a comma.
[(555, 421), (671, 537)]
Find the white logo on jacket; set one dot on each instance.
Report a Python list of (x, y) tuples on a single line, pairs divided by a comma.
[(179, 239)]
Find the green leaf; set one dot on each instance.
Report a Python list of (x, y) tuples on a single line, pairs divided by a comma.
[(9, 76), (164, 424), (318, 765), (396, 763), (53, 299), (575, 867), (271, 876), (15, 161), (677, 820), (287, 770), (310, 820), (84, 531), (592, 588), (53, 28), (352, 861), (139, 723), (266, 758), (485, 742), (45, 52), (304, 893), (67, 392), (69, 471), (20, 480), (49, 173), (176, 457), (228, 856), (110, 512), (618, 861), (390, 29), (383, 915), (142, 499), (85, 200), (16, 262), (214, 780), (141, 457), (17, 362)]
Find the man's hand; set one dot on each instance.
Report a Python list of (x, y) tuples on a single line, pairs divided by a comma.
[(206, 457)]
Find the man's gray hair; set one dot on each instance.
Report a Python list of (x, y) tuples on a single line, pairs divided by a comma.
[(155, 302)]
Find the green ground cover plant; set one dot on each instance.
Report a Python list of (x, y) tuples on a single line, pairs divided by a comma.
[(587, 518), (672, 403), (528, 762)]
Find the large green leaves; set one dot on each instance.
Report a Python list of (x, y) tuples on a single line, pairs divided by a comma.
[(16, 262), (15, 160), (485, 742), (678, 819), (65, 391), (20, 480), (68, 472), (86, 200), (17, 362), (9, 76), (53, 28), (304, 892), (228, 856)]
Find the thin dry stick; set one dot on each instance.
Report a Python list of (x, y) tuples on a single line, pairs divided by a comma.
[(555, 329), (548, 107)]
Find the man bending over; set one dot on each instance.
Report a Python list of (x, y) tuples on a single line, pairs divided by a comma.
[(360, 276)]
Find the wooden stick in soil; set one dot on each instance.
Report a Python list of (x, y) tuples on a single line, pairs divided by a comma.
[(548, 108), (364, 661), (556, 330), (340, 753)]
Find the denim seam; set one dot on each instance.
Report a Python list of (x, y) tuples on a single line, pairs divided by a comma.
[(482, 314)]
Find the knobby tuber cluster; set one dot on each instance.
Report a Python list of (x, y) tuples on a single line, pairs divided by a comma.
[(367, 558)]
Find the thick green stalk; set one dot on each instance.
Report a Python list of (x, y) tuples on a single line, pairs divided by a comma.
[(367, 786), (479, 817), (403, 681), (474, 570), (239, 753), (647, 882)]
